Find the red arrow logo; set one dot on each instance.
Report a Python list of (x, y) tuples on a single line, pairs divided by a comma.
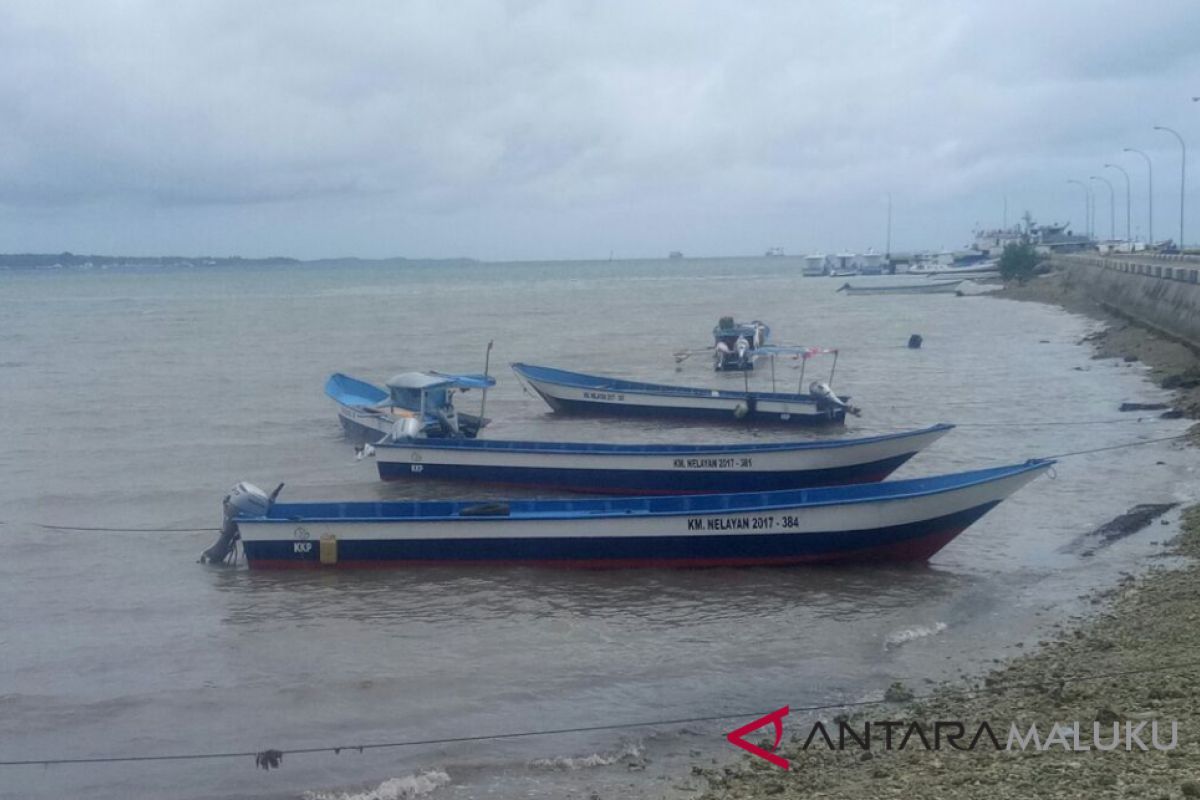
[(775, 718)]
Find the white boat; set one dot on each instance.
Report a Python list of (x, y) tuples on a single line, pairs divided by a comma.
[(815, 265), (415, 402), (577, 393), (906, 520), (921, 287), (932, 269), (644, 469)]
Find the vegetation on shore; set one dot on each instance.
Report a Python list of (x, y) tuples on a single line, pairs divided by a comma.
[(1019, 262)]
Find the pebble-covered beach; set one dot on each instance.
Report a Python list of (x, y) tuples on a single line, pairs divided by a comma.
[(1133, 664)]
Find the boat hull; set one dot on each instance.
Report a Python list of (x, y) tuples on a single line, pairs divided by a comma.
[(934, 287), (897, 521), (606, 397), (654, 469)]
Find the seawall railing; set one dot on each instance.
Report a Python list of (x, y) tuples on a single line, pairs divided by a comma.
[(1159, 291)]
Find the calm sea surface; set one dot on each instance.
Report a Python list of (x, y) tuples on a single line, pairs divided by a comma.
[(137, 398)]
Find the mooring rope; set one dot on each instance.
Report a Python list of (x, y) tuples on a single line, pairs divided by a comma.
[(271, 758), (1120, 446)]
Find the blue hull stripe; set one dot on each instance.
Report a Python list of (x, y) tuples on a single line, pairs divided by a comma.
[(913, 541), (584, 408), (608, 481)]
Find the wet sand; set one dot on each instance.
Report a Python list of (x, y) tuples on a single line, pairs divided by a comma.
[(1144, 638)]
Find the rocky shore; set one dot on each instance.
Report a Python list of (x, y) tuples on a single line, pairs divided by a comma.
[(1134, 665), (1172, 365)]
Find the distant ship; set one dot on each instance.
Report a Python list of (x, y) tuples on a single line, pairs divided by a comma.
[(815, 265), (675, 254), (774, 252)]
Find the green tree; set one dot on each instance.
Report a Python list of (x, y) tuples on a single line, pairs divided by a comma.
[(1018, 262)]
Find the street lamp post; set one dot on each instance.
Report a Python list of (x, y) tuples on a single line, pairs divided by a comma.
[(1182, 176), (1112, 206), (1087, 206), (1128, 236), (1149, 194)]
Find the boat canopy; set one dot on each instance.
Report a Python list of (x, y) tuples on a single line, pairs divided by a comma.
[(801, 352), (429, 380)]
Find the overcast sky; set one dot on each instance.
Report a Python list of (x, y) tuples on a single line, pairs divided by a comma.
[(544, 130)]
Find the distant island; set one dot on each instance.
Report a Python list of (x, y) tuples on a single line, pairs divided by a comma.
[(46, 261)]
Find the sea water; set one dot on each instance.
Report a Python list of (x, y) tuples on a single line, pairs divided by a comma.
[(135, 398)]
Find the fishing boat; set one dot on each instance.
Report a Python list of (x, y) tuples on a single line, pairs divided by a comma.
[(413, 403), (907, 520), (923, 287), (576, 393), (643, 469), (736, 344), (981, 268)]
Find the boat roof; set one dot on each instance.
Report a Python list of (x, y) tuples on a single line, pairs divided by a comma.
[(431, 379), (367, 511), (353, 392), (799, 351)]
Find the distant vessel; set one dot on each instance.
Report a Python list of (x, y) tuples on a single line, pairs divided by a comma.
[(845, 265), (815, 265), (923, 287), (871, 263), (675, 254), (774, 252)]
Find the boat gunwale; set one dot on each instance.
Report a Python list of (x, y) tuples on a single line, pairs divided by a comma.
[(604, 448), (692, 505), (606, 384)]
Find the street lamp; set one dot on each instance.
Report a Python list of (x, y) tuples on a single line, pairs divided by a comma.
[(1149, 194), (1112, 204), (1127, 193), (1182, 176), (1087, 206)]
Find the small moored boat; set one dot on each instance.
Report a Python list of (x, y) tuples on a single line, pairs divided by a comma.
[(420, 403), (576, 393), (923, 287), (907, 520), (634, 469)]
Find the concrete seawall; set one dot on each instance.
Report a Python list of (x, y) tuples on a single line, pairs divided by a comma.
[(1160, 292)]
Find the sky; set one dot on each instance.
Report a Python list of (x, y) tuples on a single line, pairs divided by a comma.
[(574, 130)]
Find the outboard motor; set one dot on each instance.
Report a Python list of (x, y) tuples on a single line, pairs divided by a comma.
[(449, 419), (826, 397), (247, 499), (821, 391), (406, 428), (743, 348)]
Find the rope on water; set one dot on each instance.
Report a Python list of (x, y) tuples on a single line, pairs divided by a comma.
[(272, 758), (1119, 446), (124, 530)]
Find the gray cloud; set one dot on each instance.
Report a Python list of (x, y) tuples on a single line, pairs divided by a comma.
[(527, 129)]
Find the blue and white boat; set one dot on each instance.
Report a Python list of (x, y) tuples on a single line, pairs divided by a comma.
[(644, 469), (576, 393), (414, 403), (907, 520)]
